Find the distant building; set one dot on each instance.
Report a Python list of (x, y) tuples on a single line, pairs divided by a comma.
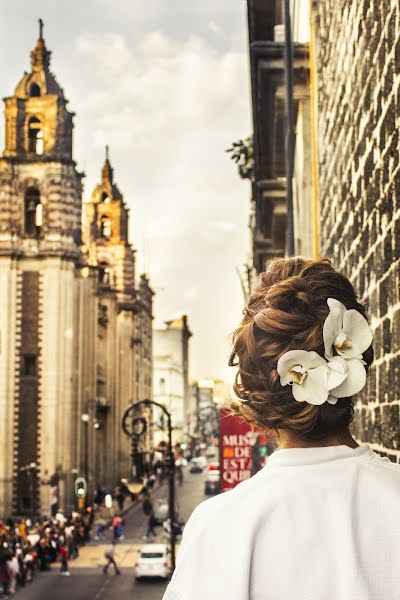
[(207, 397), (75, 329), (171, 371)]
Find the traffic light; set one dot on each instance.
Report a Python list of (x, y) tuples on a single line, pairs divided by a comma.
[(80, 487)]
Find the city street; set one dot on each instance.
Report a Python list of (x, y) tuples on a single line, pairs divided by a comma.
[(87, 581)]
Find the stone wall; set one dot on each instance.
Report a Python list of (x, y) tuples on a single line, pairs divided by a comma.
[(357, 50)]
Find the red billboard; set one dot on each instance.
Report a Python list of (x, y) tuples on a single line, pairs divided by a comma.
[(235, 450)]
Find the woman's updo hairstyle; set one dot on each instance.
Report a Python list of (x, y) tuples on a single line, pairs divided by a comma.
[(286, 311)]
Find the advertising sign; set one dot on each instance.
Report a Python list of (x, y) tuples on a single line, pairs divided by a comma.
[(236, 451)]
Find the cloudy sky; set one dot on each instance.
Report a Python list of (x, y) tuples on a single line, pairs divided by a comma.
[(165, 83)]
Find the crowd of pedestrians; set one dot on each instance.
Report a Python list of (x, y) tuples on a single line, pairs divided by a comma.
[(30, 545)]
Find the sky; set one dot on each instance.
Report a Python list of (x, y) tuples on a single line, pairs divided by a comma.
[(165, 83)]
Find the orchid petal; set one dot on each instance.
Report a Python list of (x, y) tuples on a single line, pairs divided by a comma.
[(337, 372), (332, 399), (314, 389), (354, 381), (308, 360), (333, 324), (357, 329)]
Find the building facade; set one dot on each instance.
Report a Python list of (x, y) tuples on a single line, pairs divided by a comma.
[(171, 372), (356, 55), (268, 172), (346, 174), (69, 311)]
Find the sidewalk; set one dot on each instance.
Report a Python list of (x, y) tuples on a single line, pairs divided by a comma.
[(91, 556)]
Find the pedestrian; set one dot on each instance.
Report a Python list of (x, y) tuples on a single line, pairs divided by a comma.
[(120, 498), (121, 529), (42, 556), (64, 559), (5, 574), (148, 510), (5, 577), (101, 528), (320, 520), (116, 524), (29, 562), (13, 570), (151, 523), (21, 577), (110, 556)]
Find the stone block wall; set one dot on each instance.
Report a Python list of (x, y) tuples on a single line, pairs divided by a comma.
[(358, 95)]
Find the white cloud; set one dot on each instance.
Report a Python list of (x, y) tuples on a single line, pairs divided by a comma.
[(169, 108), (214, 27)]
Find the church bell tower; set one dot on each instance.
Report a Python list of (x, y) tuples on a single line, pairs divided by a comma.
[(40, 238)]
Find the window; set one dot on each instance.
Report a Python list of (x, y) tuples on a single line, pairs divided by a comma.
[(105, 227), (105, 198), (162, 387), (33, 212), (34, 91), (29, 365), (35, 136)]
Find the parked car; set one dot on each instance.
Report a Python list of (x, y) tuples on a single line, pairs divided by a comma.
[(153, 561), (211, 452), (196, 465), (160, 510), (202, 460), (212, 482)]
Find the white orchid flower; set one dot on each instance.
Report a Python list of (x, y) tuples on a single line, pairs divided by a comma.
[(345, 332), (354, 381), (311, 376)]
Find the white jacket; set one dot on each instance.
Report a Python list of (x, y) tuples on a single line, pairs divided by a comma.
[(313, 524)]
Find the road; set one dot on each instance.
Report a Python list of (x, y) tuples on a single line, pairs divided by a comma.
[(87, 581)]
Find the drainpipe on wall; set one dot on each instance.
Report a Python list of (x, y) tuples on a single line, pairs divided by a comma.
[(289, 137), (314, 129)]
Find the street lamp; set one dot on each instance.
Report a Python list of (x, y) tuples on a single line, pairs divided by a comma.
[(85, 421), (135, 426)]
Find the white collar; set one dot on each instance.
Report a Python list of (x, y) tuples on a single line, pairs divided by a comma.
[(288, 457)]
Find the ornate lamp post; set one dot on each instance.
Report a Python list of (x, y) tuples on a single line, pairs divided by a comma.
[(135, 426)]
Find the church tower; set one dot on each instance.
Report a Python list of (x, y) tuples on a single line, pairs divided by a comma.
[(40, 238), (106, 235)]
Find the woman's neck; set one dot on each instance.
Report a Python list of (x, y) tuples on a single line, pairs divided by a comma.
[(287, 439)]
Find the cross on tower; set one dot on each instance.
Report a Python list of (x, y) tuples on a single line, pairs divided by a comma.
[(40, 29)]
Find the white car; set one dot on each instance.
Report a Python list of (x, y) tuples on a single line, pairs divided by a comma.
[(153, 561), (202, 461), (211, 452)]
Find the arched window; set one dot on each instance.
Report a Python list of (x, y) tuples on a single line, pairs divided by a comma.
[(105, 227), (105, 274), (33, 212), (34, 91), (105, 198), (35, 136)]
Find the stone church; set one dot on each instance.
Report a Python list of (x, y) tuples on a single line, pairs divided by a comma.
[(75, 326)]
